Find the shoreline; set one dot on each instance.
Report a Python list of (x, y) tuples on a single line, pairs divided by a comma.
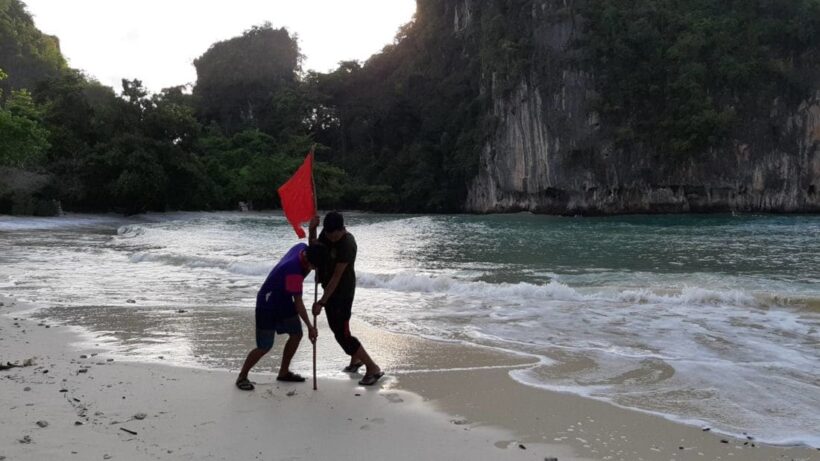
[(447, 396), (78, 402)]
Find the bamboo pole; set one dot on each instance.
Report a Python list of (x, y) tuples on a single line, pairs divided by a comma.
[(316, 269)]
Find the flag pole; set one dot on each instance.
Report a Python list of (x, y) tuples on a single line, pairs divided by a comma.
[(316, 270)]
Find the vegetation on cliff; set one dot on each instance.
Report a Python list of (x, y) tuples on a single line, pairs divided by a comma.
[(680, 76)]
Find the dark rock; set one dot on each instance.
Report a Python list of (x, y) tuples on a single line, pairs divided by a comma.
[(26, 439), (131, 301), (706, 429), (550, 459), (42, 423), (724, 441), (27, 193), (140, 416), (521, 446), (83, 356), (78, 423)]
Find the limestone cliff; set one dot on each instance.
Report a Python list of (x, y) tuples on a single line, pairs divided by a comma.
[(550, 152)]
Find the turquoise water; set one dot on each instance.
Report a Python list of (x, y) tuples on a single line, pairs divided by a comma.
[(711, 319)]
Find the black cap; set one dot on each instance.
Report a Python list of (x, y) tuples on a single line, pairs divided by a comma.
[(333, 222), (316, 254)]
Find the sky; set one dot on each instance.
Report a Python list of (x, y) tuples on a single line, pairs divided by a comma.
[(156, 41)]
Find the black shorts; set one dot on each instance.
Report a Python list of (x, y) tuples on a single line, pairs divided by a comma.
[(338, 312), (339, 309)]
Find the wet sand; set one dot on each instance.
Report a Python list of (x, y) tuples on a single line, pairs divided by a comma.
[(473, 385), (440, 401), (72, 401)]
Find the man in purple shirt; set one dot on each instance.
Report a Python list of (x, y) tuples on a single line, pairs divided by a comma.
[(279, 307)]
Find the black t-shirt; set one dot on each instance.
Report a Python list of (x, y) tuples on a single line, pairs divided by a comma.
[(342, 251)]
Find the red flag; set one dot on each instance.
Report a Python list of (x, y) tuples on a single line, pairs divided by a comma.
[(297, 196)]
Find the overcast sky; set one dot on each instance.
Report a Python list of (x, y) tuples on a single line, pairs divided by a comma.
[(157, 40)]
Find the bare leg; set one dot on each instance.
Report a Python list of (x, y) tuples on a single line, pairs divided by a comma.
[(287, 354), (361, 355), (253, 357)]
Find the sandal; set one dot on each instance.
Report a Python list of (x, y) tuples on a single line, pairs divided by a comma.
[(291, 377), (245, 384), (370, 380), (353, 368)]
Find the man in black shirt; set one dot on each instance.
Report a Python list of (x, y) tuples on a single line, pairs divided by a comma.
[(338, 279)]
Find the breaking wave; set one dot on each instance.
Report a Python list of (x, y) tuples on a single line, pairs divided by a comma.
[(554, 290), (250, 268)]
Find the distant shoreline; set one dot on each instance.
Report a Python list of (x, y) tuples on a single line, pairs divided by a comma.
[(274, 211)]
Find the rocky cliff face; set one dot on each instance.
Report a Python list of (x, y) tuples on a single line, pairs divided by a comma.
[(549, 151)]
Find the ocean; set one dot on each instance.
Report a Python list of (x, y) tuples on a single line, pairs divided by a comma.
[(711, 320)]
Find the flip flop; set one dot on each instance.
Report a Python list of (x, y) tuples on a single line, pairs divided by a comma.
[(370, 380), (245, 384), (291, 377), (354, 368)]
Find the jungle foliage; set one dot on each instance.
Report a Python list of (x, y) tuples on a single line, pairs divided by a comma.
[(680, 75), (403, 130)]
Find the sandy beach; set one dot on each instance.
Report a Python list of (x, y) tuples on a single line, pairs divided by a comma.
[(73, 401)]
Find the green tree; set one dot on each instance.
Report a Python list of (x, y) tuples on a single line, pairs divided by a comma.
[(148, 163), (79, 114), (24, 140)]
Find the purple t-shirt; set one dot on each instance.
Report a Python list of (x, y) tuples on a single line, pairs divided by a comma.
[(274, 301)]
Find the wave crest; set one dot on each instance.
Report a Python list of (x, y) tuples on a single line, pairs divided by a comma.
[(554, 291), (202, 262), (689, 295), (130, 231)]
